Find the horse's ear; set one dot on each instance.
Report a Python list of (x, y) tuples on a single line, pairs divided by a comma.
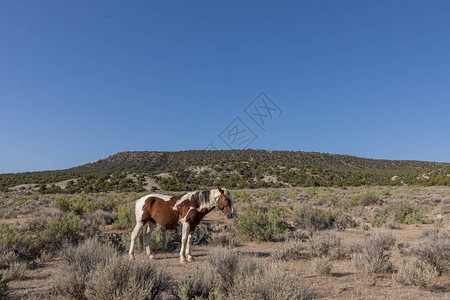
[(220, 190)]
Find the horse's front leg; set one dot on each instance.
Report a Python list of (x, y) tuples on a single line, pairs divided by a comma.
[(150, 228), (188, 247), (184, 237)]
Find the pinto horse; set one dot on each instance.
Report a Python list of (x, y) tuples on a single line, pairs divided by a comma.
[(171, 211)]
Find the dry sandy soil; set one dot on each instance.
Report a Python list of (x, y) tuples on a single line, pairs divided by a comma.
[(344, 282)]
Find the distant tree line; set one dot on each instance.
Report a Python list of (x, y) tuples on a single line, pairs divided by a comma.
[(239, 174)]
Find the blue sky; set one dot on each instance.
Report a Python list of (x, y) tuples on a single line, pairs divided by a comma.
[(82, 80)]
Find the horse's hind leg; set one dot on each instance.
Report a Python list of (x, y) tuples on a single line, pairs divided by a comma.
[(134, 235), (150, 228)]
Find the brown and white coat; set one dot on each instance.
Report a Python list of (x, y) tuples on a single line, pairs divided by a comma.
[(171, 211)]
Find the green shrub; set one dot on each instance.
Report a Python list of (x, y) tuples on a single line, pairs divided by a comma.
[(312, 191), (269, 195), (41, 235), (126, 218), (77, 204), (62, 203), (416, 217), (275, 195), (163, 239), (51, 234), (81, 204), (14, 241), (401, 213), (293, 195), (243, 196), (255, 224)]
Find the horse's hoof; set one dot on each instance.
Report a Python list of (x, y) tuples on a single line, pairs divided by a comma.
[(183, 260), (190, 259), (151, 257), (131, 257)]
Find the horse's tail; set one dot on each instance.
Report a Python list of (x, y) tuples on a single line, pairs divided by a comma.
[(141, 237)]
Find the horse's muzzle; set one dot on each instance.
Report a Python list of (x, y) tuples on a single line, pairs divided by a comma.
[(229, 215)]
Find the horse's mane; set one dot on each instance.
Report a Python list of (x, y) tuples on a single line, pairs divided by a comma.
[(203, 198)]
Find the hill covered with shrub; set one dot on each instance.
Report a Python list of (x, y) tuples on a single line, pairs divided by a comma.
[(147, 161), (188, 170)]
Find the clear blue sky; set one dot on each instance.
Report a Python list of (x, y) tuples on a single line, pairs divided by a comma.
[(82, 80)]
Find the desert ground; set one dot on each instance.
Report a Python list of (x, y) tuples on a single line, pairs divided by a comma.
[(312, 243)]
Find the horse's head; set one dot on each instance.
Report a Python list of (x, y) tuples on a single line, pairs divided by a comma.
[(225, 203)]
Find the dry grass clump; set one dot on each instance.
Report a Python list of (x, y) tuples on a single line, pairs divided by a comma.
[(223, 239), (98, 219), (200, 283), (325, 243), (404, 248), (202, 234), (35, 296), (94, 271), (290, 250), (323, 265), (370, 198), (17, 271), (300, 234), (307, 217), (3, 287), (267, 282), (226, 263), (229, 275), (392, 224), (215, 280), (6, 255), (416, 272), (374, 253), (9, 213), (79, 262), (434, 248), (121, 278)]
